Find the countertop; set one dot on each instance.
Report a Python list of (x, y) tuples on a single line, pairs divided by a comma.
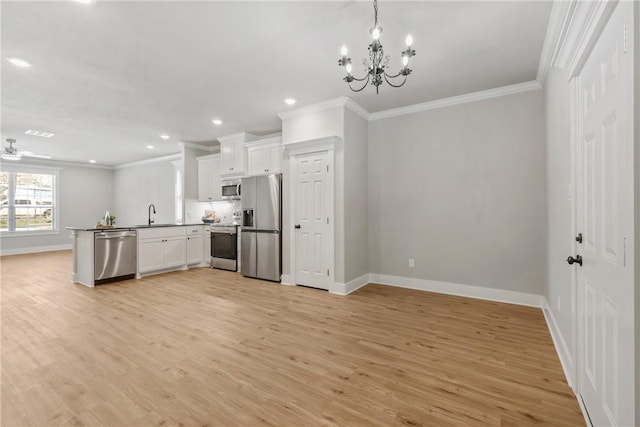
[(135, 227)]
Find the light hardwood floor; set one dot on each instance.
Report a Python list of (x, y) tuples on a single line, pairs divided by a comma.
[(208, 347)]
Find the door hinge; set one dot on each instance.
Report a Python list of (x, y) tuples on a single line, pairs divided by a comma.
[(327, 220), (327, 272), (625, 38), (327, 168), (624, 252)]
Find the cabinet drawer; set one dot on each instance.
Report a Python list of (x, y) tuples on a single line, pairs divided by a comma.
[(161, 232), (195, 230)]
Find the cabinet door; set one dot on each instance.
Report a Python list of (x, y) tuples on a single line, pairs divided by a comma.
[(205, 179), (216, 181), (258, 160), (232, 155), (195, 250), (275, 159), (150, 255), (227, 155), (175, 252)]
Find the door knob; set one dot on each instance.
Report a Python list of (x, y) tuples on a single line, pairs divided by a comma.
[(577, 259), (297, 226), (579, 238)]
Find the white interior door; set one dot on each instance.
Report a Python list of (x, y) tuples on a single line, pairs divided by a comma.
[(313, 194), (605, 217)]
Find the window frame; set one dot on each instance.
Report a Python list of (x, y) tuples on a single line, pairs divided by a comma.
[(55, 217)]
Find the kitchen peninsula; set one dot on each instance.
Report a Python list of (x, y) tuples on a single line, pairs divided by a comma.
[(103, 255)]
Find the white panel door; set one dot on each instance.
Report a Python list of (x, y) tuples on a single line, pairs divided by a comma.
[(312, 216), (605, 216)]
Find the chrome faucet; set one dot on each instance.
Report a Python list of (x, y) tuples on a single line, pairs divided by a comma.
[(154, 211)]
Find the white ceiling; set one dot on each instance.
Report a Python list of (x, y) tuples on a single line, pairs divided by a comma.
[(110, 77)]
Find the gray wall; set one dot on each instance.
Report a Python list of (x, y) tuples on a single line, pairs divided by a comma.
[(462, 191), (84, 194), (560, 175), (136, 187), (356, 209)]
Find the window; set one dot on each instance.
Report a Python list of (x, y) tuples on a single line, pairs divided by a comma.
[(27, 200)]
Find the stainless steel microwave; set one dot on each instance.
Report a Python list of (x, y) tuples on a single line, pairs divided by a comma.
[(231, 190)]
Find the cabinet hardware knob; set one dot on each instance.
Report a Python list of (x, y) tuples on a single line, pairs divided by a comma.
[(579, 238), (297, 226), (577, 260)]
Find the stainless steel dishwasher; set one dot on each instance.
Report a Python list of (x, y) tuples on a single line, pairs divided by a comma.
[(115, 255)]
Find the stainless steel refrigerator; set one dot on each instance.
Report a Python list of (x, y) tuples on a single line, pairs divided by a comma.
[(261, 239)]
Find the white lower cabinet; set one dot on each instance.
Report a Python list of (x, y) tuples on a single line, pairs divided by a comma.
[(150, 255), (195, 245), (161, 249), (174, 252), (195, 250), (207, 247)]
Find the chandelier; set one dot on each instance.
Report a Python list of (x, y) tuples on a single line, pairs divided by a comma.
[(377, 65)]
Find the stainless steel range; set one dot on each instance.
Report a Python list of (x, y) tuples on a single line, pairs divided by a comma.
[(224, 247)]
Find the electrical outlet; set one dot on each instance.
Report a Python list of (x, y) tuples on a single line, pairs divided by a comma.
[(559, 303), (411, 263)]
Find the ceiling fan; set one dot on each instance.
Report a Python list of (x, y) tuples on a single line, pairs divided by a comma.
[(12, 153)]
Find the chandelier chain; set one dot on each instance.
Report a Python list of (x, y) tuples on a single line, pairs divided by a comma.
[(375, 11)]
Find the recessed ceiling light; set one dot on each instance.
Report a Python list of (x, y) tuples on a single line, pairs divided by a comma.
[(150, 147), (92, 161), (216, 122), (85, 1), (39, 133), (164, 136), (19, 62), (290, 101)]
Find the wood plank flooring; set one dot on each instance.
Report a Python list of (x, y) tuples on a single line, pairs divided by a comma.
[(210, 348)]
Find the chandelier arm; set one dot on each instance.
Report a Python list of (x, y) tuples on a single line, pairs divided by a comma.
[(387, 75), (362, 79), (391, 84), (363, 86)]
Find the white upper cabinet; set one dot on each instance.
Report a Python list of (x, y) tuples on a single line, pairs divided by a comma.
[(264, 156), (232, 152), (209, 181)]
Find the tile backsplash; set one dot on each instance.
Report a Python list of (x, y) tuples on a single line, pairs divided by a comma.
[(194, 210)]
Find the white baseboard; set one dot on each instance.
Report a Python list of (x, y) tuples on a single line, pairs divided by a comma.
[(351, 286), (35, 249), (285, 279), (561, 345), (479, 292)]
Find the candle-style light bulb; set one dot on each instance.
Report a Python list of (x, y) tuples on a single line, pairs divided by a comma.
[(343, 51), (409, 40), (405, 60), (375, 33), (348, 68)]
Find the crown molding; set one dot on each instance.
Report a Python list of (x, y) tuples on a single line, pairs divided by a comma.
[(561, 14), (55, 164), (357, 108), (456, 100), (277, 139), (241, 136), (574, 27), (199, 146), (162, 159), (590, 19), (314, 108)]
